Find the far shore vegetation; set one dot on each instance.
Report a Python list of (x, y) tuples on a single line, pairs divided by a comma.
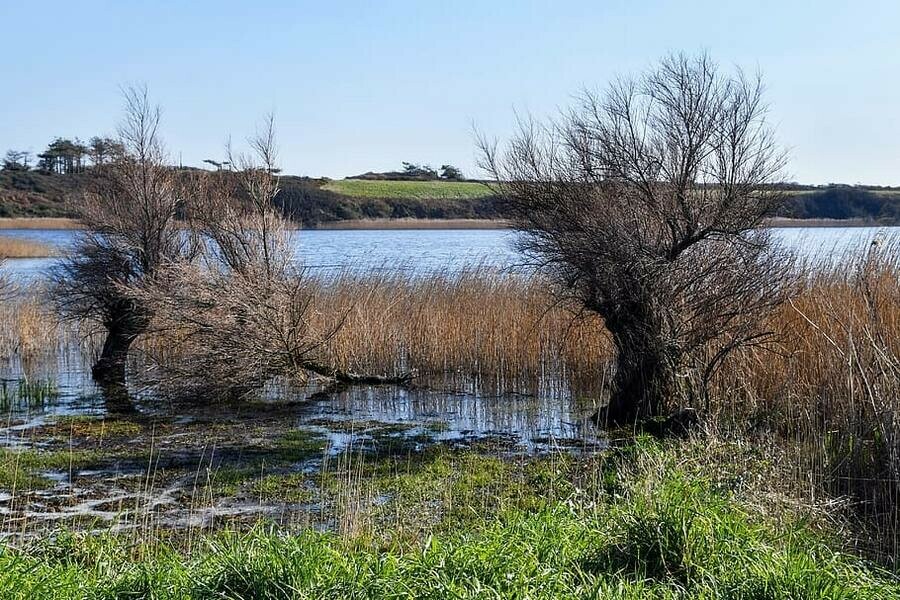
[(11, 247), (424, 190), (33, 192)]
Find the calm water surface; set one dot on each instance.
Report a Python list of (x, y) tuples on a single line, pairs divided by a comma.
[(428, 250)]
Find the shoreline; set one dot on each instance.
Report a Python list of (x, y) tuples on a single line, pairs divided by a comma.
[(39, 223), (63, 223), (376, 224), (785, 222)]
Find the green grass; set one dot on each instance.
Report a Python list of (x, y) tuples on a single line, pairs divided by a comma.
[(91, 427), (287, 487), (419, 190), (22, 470), (658, 524)]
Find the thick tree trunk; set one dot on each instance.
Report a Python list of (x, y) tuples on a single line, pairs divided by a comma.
[(110, 367), (347, 377), (109, 370), (646, 369), (120, 334), (644, 381)]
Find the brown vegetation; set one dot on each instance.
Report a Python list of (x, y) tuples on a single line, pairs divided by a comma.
[(130, 219), (19, 248), (39, 223), (826, 393), (643, 205)]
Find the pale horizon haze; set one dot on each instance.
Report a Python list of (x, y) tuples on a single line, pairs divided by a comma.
[(360, 86)]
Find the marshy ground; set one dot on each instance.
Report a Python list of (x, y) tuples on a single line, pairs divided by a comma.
[(483, 479), (72, 464)]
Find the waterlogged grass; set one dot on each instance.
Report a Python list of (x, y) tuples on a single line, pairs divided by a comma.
[(298, 445), (654, 524), (287, 487), (26, 393), (419, 190), (92, 427), (24, 470)]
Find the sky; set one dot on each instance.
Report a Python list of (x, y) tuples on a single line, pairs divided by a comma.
[(360, 86)]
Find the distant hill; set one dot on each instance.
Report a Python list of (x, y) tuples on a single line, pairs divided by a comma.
[(314, 202), (35, 194), (423, 190), (844, 202)]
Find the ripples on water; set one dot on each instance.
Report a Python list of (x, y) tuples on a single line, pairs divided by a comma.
[(429, 250)]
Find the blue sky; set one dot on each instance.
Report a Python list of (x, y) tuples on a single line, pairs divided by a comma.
[(359, 86)]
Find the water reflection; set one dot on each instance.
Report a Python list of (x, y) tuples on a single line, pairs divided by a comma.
[(523, 420)]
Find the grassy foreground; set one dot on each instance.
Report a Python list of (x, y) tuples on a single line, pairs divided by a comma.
[(684, 520), (420, 190)]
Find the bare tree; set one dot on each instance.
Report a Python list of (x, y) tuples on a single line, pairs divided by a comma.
[(245, 314), (130, 220), (645, 203), (16, 160)]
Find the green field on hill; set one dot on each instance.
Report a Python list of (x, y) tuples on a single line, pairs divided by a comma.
[(420, 190)]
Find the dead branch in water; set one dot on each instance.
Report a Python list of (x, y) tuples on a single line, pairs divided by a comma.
[(356, 378)]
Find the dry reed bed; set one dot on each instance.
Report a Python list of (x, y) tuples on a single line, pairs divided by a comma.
[(479, 324), (830, 388), (11, 247), (39, 223)]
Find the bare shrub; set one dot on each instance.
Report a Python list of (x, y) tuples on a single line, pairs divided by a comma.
[(643, 204), (245, 314)]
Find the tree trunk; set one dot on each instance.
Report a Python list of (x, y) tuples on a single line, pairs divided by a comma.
[(110, 367), (643, 383), (646, 370), (355, 378)]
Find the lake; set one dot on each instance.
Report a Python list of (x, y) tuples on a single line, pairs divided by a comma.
[(426, 250)]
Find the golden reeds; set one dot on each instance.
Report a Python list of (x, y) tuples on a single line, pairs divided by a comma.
[(11, 247), (39, 223)]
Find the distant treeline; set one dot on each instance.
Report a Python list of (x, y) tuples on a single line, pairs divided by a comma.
[(415, 172), (32, 193), (873, 203)]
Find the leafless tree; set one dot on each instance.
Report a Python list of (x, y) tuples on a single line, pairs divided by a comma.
[(131, 232), (244, 314), (645, 203)]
